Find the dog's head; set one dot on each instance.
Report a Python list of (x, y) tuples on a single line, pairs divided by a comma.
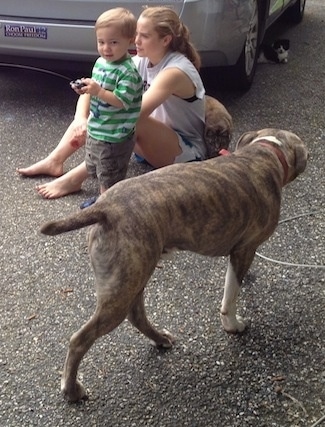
[(292, 147), (218, 127)]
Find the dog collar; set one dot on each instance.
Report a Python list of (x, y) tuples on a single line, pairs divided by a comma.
[(279, 155), (269, 138), (265, 142)]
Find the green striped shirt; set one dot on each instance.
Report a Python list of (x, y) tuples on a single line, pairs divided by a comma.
[(113, 124)]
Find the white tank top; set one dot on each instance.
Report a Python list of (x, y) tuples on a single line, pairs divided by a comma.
[(186, 117)]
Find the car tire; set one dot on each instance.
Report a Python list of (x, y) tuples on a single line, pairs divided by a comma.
[(295, 13), (242, 73)]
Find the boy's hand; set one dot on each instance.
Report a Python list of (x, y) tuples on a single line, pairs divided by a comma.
[(91, 87), (78, 85), (86, 85)]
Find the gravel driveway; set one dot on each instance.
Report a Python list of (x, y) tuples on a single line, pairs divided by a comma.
[(272, 376)]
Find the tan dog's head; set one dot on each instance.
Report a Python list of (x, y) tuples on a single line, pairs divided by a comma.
[(292, 147), (218, 126)]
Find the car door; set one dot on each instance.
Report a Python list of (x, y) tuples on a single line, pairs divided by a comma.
[(56, 28)]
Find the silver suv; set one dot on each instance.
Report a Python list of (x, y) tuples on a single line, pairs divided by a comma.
[(226, 32)]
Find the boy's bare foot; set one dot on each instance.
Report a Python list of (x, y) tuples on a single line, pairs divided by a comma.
[(58, 188), (46, 166)]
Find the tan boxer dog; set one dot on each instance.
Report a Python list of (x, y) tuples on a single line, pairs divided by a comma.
[(227, 205), (218, 127)]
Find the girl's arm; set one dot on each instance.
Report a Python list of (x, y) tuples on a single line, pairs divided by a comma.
[(171, 81), (82, 107), (81, 116)]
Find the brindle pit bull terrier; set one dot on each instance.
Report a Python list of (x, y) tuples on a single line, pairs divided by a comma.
[(227, 205)]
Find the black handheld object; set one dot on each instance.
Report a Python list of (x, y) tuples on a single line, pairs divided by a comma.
[(78, 84)]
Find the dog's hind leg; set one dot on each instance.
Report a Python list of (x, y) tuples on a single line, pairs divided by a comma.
[(137, 316), (238, 265), (101, 323)]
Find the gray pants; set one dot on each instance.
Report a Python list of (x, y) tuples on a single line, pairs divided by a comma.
[(108, 161)]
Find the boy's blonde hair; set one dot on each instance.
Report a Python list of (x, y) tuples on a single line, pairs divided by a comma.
[(166, 22), (120, 17)]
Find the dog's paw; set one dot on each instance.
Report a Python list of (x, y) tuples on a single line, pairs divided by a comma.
[(73, 393), (166, 339), (233, 325)]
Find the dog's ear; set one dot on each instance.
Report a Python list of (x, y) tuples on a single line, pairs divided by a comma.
[(301, 155), (300, 149), (299, 152), (246, 138)]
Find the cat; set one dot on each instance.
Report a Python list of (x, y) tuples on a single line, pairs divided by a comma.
[(277, 52)]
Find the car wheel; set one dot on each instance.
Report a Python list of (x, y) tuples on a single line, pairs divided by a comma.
[(242, 74), (295, 13)]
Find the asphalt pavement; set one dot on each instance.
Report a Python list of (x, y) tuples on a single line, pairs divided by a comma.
[(272, 376)]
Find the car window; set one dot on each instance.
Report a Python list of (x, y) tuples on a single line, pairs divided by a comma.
[(275, 6)]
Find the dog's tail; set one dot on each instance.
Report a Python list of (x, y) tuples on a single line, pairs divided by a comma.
[(82, 219)]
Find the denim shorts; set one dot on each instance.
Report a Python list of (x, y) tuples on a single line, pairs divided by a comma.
[(190, 152), (108, 161)]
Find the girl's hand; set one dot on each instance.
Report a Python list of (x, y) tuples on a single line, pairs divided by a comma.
[(80, 128)]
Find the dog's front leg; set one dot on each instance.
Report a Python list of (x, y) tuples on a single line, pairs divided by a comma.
[(238, 265)]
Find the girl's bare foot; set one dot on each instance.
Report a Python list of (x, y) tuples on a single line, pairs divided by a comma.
[(58, 188), (69, 183), (47, 166)]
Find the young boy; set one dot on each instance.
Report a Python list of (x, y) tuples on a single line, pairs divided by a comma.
[(115, 93)]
